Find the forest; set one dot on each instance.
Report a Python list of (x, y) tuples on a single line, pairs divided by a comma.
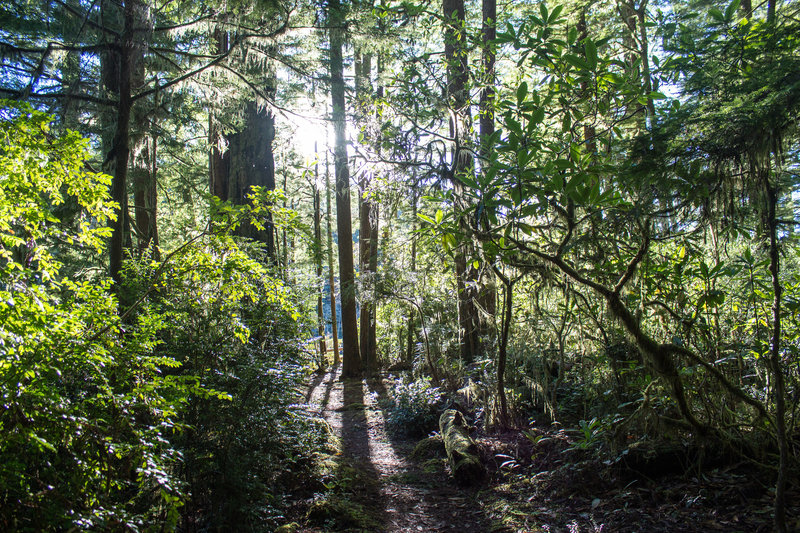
[(382, 265)]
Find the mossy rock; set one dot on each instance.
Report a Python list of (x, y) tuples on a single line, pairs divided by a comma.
[(288, 528), (343, 515), (427, 448)]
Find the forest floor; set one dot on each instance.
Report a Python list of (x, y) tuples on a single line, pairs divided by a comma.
[(539, 482)]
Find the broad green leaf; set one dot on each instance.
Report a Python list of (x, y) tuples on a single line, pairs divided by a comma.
[(522, 92), (576, 62), (426, 218), (591, 53), (730, 11), (572, 36), (555, 14)]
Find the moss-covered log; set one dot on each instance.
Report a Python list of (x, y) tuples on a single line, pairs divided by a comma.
[(462, 452)]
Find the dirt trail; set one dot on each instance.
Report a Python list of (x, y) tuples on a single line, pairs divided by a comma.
[(408, 499)]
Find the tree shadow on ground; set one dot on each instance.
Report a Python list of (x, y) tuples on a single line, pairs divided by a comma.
[(431, 499), (356, 502)]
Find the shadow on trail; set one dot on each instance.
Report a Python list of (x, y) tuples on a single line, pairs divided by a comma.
[(319, 377), (356, 469), (418, 498), (375, 486), (331, 376)]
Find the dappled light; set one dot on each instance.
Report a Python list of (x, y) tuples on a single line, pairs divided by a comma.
[(400, 266)]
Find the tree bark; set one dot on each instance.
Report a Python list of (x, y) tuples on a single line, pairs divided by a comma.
[(779, 382), (413, 266), (368, 233), (331, 283), (457, 78), (488, 294), (351, 361), (117, 73), (318, 262), (462, 452), (244, 159), (219, 157), (252, 163)]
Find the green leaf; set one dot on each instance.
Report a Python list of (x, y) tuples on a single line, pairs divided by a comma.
[(426, 218), (716, 14), (572, 36), (522, 92), (591, 53), (439, 216), (555, 14), (730, 11), (576, 62)]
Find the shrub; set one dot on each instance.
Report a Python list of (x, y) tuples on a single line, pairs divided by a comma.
[(413, 407)]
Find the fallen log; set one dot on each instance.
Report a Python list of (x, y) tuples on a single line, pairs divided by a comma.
[(462, 452)]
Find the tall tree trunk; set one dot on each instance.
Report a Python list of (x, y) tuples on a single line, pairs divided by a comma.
[(219, 157), (374, 220), (457, 96), (244, 159), (143, 174), (143, 142), (779, 382), (318, 260), (117, 73), (502, 352), (351, 364), (331, 283), (487, 298), (363, 67), (252, 164), (413, 266)]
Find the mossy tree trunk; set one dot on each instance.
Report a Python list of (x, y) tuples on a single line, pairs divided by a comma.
[(462, 452)]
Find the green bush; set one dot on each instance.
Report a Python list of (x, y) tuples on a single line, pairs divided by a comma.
[(179, 412), (87, 412), (413, 407)]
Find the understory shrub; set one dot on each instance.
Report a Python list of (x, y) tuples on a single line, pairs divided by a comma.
[(413, 407), (177, 412)]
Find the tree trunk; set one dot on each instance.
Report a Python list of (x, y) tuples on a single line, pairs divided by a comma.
[(117, 75), (368, 234), (413, 265), (252, 163), (351, 362), (462, 452), (219, 157), (502, 353), (248, 160), (488, 295), (317, 248), (331, 283), (457, 96), (779, 382)]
